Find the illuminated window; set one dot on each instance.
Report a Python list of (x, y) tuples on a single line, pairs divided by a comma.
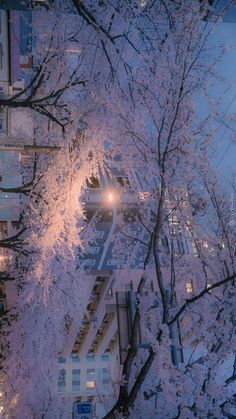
[(4, 259), (173, 220), (194, 247), (110, 292), (90, 382), (143, 3), (208, 286), (189, 287)]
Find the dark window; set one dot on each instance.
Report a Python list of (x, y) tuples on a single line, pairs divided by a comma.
[(105, 356), (75, 380), (89, 213), (129, 216), (123, 181), (93, 182), (75, 357), (90, 357), (62, 380), (1, 55), (105, 216)]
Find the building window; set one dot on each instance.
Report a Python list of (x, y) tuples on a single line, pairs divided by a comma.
[(75, 357), (61, 360), (189, 287), (94, 250), (88, 263), (75, 380), (110, 293), (93, 183), (90, 357), (113, 262), (99, 234), (89, 213), (3, 119), (180, 246), (4, 259), (208, 286), (173, 219), (62, 380), (105, 216), (90, 381), (105, 356), (105, 379), (123, 181), (1, 55), (195, 250), (130, 216)]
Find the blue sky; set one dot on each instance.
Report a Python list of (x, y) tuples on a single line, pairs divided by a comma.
[(226, 150)]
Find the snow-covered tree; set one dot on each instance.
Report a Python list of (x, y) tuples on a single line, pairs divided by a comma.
[(146, 63), (52, 292), (191, 247)]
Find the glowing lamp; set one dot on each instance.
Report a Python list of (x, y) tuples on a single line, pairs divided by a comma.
[(111, 197)]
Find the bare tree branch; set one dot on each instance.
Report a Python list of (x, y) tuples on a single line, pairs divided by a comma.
[(197, 297)]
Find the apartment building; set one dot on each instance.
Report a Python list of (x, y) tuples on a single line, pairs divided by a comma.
[(114, 260), (90, 367)]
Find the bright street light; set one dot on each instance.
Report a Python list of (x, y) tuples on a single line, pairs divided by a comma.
[(111, 197)]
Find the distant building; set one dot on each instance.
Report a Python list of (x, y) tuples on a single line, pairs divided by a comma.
[(15, 166)]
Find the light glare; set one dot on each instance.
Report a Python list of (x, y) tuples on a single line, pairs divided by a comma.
[(110, 197)]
